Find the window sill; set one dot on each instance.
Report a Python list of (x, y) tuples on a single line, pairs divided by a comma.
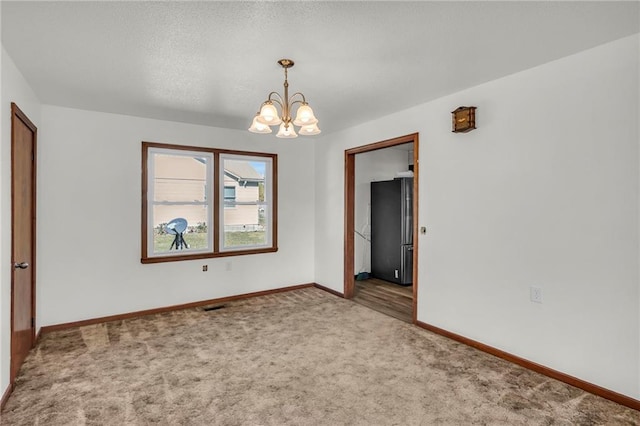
[(176, 258)]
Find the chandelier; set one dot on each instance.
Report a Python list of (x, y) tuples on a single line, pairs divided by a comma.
[(268, 114)]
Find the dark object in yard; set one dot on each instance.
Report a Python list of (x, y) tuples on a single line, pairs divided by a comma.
[(177, 227)]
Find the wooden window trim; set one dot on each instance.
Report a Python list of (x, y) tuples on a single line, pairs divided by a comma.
[(216, 211)]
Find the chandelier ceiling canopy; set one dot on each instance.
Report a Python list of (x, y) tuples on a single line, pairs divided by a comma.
[(268, 115)]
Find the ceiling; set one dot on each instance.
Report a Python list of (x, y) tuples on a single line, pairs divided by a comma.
[(213, 63)]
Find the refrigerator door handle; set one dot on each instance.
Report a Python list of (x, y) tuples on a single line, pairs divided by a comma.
[(407, 265), (407, 211)]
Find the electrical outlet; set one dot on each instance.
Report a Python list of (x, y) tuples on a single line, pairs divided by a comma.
[(205, 268), (535, 294)]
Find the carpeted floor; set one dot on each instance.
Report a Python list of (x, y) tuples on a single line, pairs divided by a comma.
[(303, 357)]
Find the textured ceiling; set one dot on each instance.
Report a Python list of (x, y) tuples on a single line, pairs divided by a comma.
[(213, 63)]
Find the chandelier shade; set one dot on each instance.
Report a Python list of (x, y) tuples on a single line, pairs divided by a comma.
[(286, 131), (259, 127), (310, 130), (268, 114), (305, 116)]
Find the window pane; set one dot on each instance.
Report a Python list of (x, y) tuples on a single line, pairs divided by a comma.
[(179, 212), (229, 197), (244, 218), (229, 192), (180, 228), (179, 178)]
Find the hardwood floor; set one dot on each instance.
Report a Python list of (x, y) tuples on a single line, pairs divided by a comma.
[(385, 297)]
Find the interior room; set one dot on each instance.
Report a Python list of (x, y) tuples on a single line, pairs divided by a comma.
[(525, 243), (390, 290)]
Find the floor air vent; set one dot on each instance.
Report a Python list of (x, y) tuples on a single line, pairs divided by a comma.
[(212, 308)]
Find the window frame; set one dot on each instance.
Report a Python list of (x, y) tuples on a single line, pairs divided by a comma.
[(217, 204)]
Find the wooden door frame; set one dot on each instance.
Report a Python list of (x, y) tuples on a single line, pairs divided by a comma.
[(17, 114), (349, 211)]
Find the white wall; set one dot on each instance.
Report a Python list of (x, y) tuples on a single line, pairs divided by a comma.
[(544, 193), (371, 167), (89, 218), (14, 88)]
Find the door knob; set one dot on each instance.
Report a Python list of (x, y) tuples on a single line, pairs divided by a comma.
[(21, 265)]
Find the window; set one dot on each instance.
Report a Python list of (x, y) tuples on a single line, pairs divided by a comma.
[(178, 201), (202, 202), (229, 197), (246, 224)]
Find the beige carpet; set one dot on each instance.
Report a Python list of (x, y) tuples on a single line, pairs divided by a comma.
[(303, 357)]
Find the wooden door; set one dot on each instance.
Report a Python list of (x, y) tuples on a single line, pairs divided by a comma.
[(23, 237)]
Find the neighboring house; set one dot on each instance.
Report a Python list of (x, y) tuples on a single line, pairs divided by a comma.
[(183, 179)]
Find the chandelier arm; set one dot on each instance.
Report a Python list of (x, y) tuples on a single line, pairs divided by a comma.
[(277, 100), (291, 101)]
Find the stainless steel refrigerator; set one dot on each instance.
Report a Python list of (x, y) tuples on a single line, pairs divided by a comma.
[(392, 230)]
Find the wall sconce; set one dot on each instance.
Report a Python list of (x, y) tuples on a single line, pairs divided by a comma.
[(464, 119)]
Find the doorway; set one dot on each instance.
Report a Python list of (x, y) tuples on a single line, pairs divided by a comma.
[(350, 221), (23, 237)]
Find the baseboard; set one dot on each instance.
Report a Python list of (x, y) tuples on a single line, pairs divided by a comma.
[(538, 368), (136, 314), (328, 290), (5, 395)]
